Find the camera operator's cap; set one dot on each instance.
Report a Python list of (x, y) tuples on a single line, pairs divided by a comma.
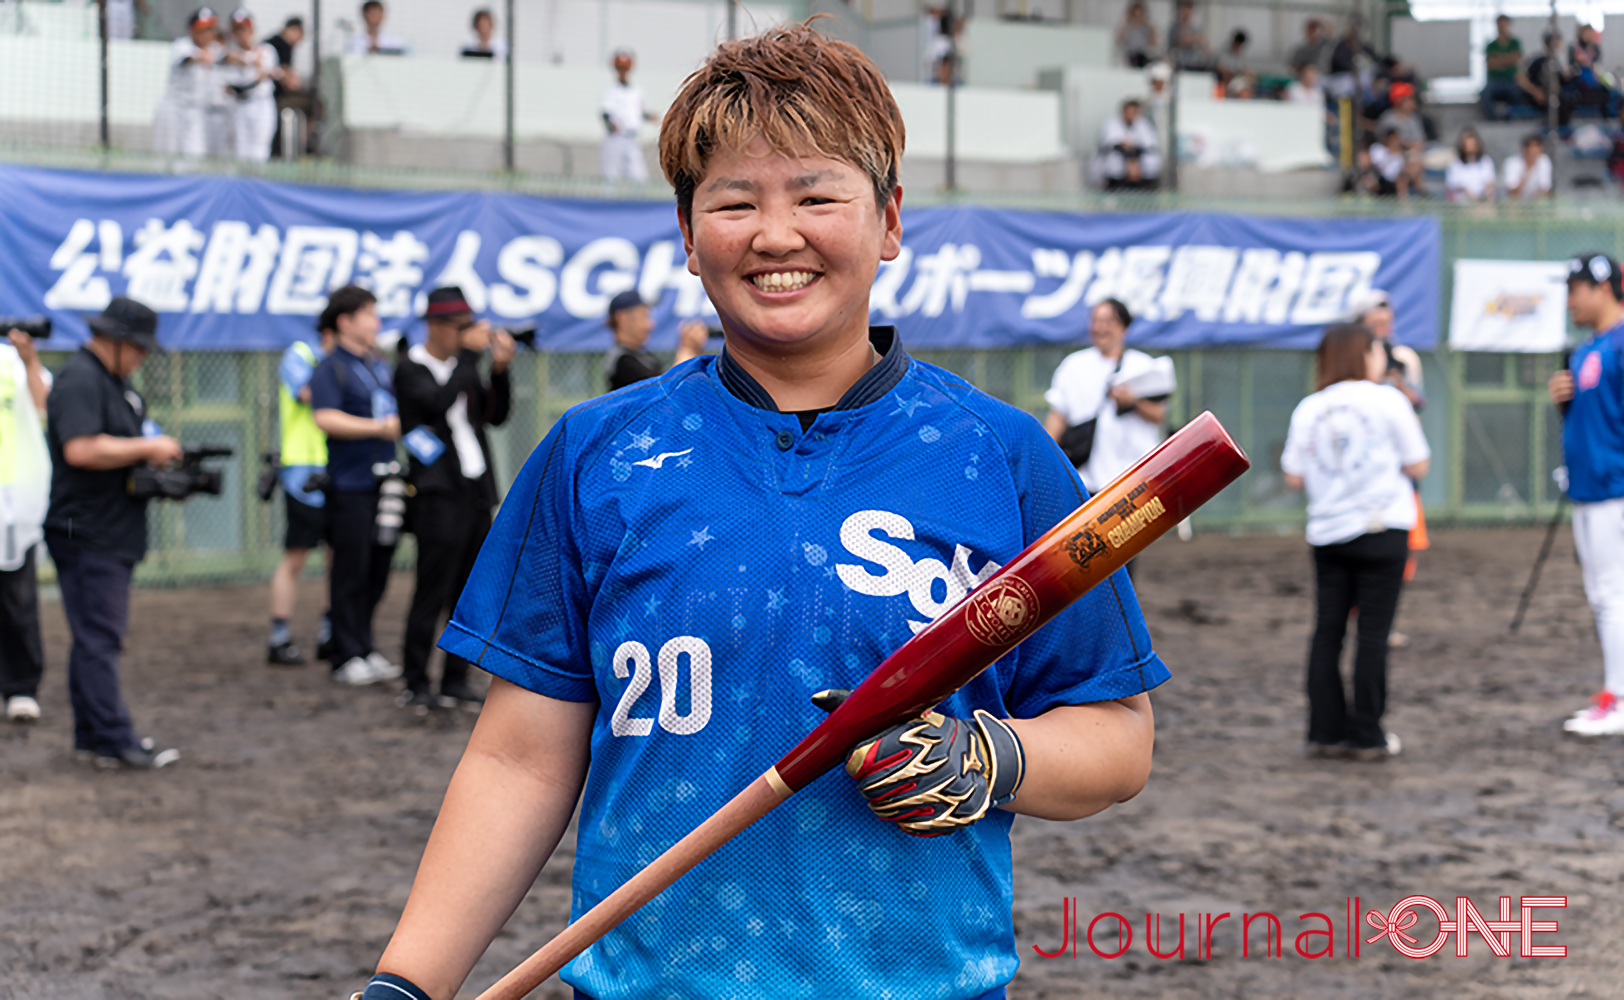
[(129, 321), (445, 302), (1367, 301), (204, 16), (629, 299)]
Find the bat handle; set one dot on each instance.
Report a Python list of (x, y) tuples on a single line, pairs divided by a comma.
[(756, 801)]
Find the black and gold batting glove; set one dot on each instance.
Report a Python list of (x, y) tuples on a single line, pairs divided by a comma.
[(935, 774)]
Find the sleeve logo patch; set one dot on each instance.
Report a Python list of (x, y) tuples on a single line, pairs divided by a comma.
[(1590, 371)]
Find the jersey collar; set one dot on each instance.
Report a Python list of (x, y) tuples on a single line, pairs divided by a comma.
[(873, 385)]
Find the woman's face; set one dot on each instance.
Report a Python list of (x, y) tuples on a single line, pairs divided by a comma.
[(1470, 146)]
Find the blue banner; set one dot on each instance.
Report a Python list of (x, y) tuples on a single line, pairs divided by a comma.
[(239, 264)]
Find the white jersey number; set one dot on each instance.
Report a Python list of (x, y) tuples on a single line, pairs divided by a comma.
[(632, 660)]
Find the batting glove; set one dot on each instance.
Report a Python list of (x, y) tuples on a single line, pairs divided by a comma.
[(935, 774), (387, 986)]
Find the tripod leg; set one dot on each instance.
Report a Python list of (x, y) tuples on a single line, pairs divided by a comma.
[(1539, 563)]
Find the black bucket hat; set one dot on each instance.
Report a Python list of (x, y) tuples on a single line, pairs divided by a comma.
[(129, 321)]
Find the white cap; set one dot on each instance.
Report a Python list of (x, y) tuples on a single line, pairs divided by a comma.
[(1364, 302), (1161, 71)]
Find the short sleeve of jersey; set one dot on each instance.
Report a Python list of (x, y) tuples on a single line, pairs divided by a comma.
[(325, 392), (1098, 649), (1292, 459), (1408, 439), (523, 614)]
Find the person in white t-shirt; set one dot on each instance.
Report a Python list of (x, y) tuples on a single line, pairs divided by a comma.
[(182, 123), (1527, 175), (373, 40), (1356, 446), (1089, 385), (249, 73), (624, 112), (1129, 150), (1470, 176)]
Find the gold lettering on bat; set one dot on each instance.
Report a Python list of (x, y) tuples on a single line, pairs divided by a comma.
[(1135, 522), (1003, 612)]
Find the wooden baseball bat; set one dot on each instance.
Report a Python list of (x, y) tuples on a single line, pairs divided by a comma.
[(1085, 548)]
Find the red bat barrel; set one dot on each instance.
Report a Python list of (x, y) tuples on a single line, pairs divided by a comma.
[(1158, 492)]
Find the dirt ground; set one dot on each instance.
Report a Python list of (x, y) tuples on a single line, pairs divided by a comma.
[(272, 862)]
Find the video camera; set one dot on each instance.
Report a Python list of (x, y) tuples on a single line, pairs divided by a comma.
[(269, 475), (38, 327), (180, 481)]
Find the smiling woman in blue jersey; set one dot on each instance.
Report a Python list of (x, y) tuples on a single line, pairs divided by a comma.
[(682, 564)]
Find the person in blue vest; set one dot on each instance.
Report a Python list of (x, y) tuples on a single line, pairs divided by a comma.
[(353, 396), (684, 563), (303, 457), (1590, 394)]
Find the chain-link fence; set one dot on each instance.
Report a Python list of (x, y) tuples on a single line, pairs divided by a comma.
[(1494, 437)]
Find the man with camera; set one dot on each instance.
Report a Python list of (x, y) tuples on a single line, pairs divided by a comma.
[(25, 489), (353, 396), (445, 406), (303, 456), (99, 434)]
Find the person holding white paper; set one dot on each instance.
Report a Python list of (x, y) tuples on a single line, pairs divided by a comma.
[(1122, 391)]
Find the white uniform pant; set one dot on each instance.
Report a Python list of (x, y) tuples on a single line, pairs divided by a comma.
[(1598, 535), (181, 128), (253, 125), (621, 157)]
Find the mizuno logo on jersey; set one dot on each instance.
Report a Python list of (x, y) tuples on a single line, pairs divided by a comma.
[(922, 581), (658, 461)]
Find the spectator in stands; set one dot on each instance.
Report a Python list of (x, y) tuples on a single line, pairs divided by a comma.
[(624, 112), (1470, 176), (1136, 37), (1546, 71), (249, 71), (1404, 117), (1527, 176), (1398, 172), (1587, 85), (1186, 44), (1159, 75), (1130, 148), (121, 16), (485, 44), (1352, 60), (181, 125), (374, 40), (1306, 89), (1231, 62), (1312, 51), (289, 89), (1364, 178), (1503, 55)]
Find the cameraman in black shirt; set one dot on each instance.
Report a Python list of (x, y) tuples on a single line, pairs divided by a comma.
[(629, 320), (445, 406), (98, 432)]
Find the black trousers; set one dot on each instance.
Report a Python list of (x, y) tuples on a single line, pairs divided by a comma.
[(22, 656), (450, 528), (1365, 573), (359, 575), (96, 600)]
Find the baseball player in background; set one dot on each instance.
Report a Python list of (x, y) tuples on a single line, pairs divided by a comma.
[(625, 110), (682, 564), (250, 70), (1590, 394), (184, 116)]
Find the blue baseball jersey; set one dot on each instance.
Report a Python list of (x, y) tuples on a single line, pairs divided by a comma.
[(1593, 429), (699, 565)]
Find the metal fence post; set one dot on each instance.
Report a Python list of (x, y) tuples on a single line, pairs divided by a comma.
[(507, 140), (101, 21)]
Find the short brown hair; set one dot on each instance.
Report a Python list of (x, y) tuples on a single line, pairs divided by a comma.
[(1341, 355), (797, 89)]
